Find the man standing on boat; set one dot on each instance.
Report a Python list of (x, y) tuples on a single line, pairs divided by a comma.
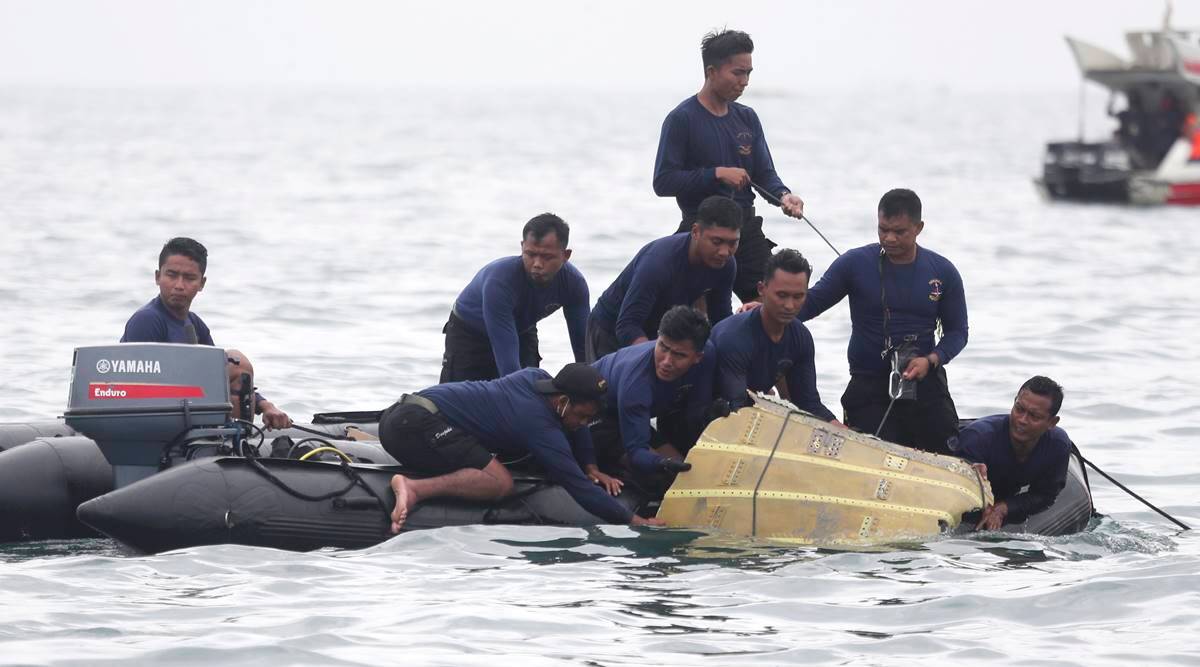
[(456, 431), (768, 346), (696, 269), (711, 145), (900, 295), (492, 329), (671, 379), (168, 317), (1024, 454)]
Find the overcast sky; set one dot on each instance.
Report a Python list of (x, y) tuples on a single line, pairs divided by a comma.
[(965, 44)]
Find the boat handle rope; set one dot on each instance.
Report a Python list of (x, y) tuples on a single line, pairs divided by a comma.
[(763, 474)]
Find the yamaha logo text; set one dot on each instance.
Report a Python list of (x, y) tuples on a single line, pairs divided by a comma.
[(128, 366)]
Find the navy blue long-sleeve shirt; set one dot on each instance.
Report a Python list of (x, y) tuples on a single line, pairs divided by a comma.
[(918, 294), (508, 416), (1029, 487), (153, 323), (501, 302), (694, 143), (658, 278), (635, 395), (747, 358)]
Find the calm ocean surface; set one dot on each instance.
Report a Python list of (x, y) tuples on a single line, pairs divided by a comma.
[(341, 224)]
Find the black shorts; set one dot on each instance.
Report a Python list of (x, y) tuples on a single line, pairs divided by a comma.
[(426, 443), (469, 354), (599, 341), (754, 249), (925, 423)]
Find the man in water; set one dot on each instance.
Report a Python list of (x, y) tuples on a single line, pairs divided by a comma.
[(455, 431), (696, 268), (712, 145), (670, 379), (900, 293), (766, 347), (492, 329), (1023, 454), (168, 317)]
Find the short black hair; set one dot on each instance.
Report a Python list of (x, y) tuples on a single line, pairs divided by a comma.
[(719, 46), (685, 323), (719, 211), (541, 225), (900, 201), (190, 248), (789, 260), (1044, 386)]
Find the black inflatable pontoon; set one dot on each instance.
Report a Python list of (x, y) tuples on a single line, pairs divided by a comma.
[(185, 475)]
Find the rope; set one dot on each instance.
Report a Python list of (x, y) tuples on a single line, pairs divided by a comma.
[(776, 201), (1126, 489), (763, 474)]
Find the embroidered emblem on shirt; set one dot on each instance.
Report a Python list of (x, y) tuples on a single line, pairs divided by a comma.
[(745, 143), (935, 290)]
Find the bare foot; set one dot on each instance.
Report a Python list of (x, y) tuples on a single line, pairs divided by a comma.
[(405, 497)]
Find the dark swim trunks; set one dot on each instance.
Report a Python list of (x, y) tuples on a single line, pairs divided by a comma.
[(426, 443), (469, 354)]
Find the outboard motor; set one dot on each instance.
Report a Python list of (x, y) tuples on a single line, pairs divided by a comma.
[(138, 401)]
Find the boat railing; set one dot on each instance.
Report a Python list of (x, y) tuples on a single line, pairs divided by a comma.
[(1151, 49)]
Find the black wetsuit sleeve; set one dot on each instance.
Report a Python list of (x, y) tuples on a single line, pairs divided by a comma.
[(1043, 490), (576, 313), (953, 313), (802, 380), (670, 177), (554, 454), (833, 286)]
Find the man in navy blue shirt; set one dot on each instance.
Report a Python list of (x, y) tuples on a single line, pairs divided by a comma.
[(670, 379), (1024, 454), (454, 431), (900, 294), (493, 326), (710, 145), (168, 317), (767, 347), (693, 269)]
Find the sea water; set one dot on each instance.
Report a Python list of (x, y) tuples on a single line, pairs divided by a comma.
[(341, 223)]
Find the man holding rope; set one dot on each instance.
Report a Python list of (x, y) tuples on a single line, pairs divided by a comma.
[(712, 145)]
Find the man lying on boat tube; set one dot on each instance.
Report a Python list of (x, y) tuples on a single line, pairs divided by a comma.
[(492, 330), (767, 346), (168, 318), (1024, 454), (669, 378), (454, 432)]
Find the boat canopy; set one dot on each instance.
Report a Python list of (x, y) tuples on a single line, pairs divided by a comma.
[(1168, 58)]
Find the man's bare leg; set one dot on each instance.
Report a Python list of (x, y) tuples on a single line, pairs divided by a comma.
[(490, 483)]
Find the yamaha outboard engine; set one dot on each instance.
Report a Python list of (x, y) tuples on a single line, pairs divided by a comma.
[(140, 400)]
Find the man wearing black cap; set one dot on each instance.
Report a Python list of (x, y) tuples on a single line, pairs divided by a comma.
[(455, 431)]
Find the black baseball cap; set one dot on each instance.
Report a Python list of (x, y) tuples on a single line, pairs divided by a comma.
[(578, 381)]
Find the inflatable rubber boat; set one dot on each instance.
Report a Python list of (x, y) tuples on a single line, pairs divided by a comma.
[(166, 468)]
